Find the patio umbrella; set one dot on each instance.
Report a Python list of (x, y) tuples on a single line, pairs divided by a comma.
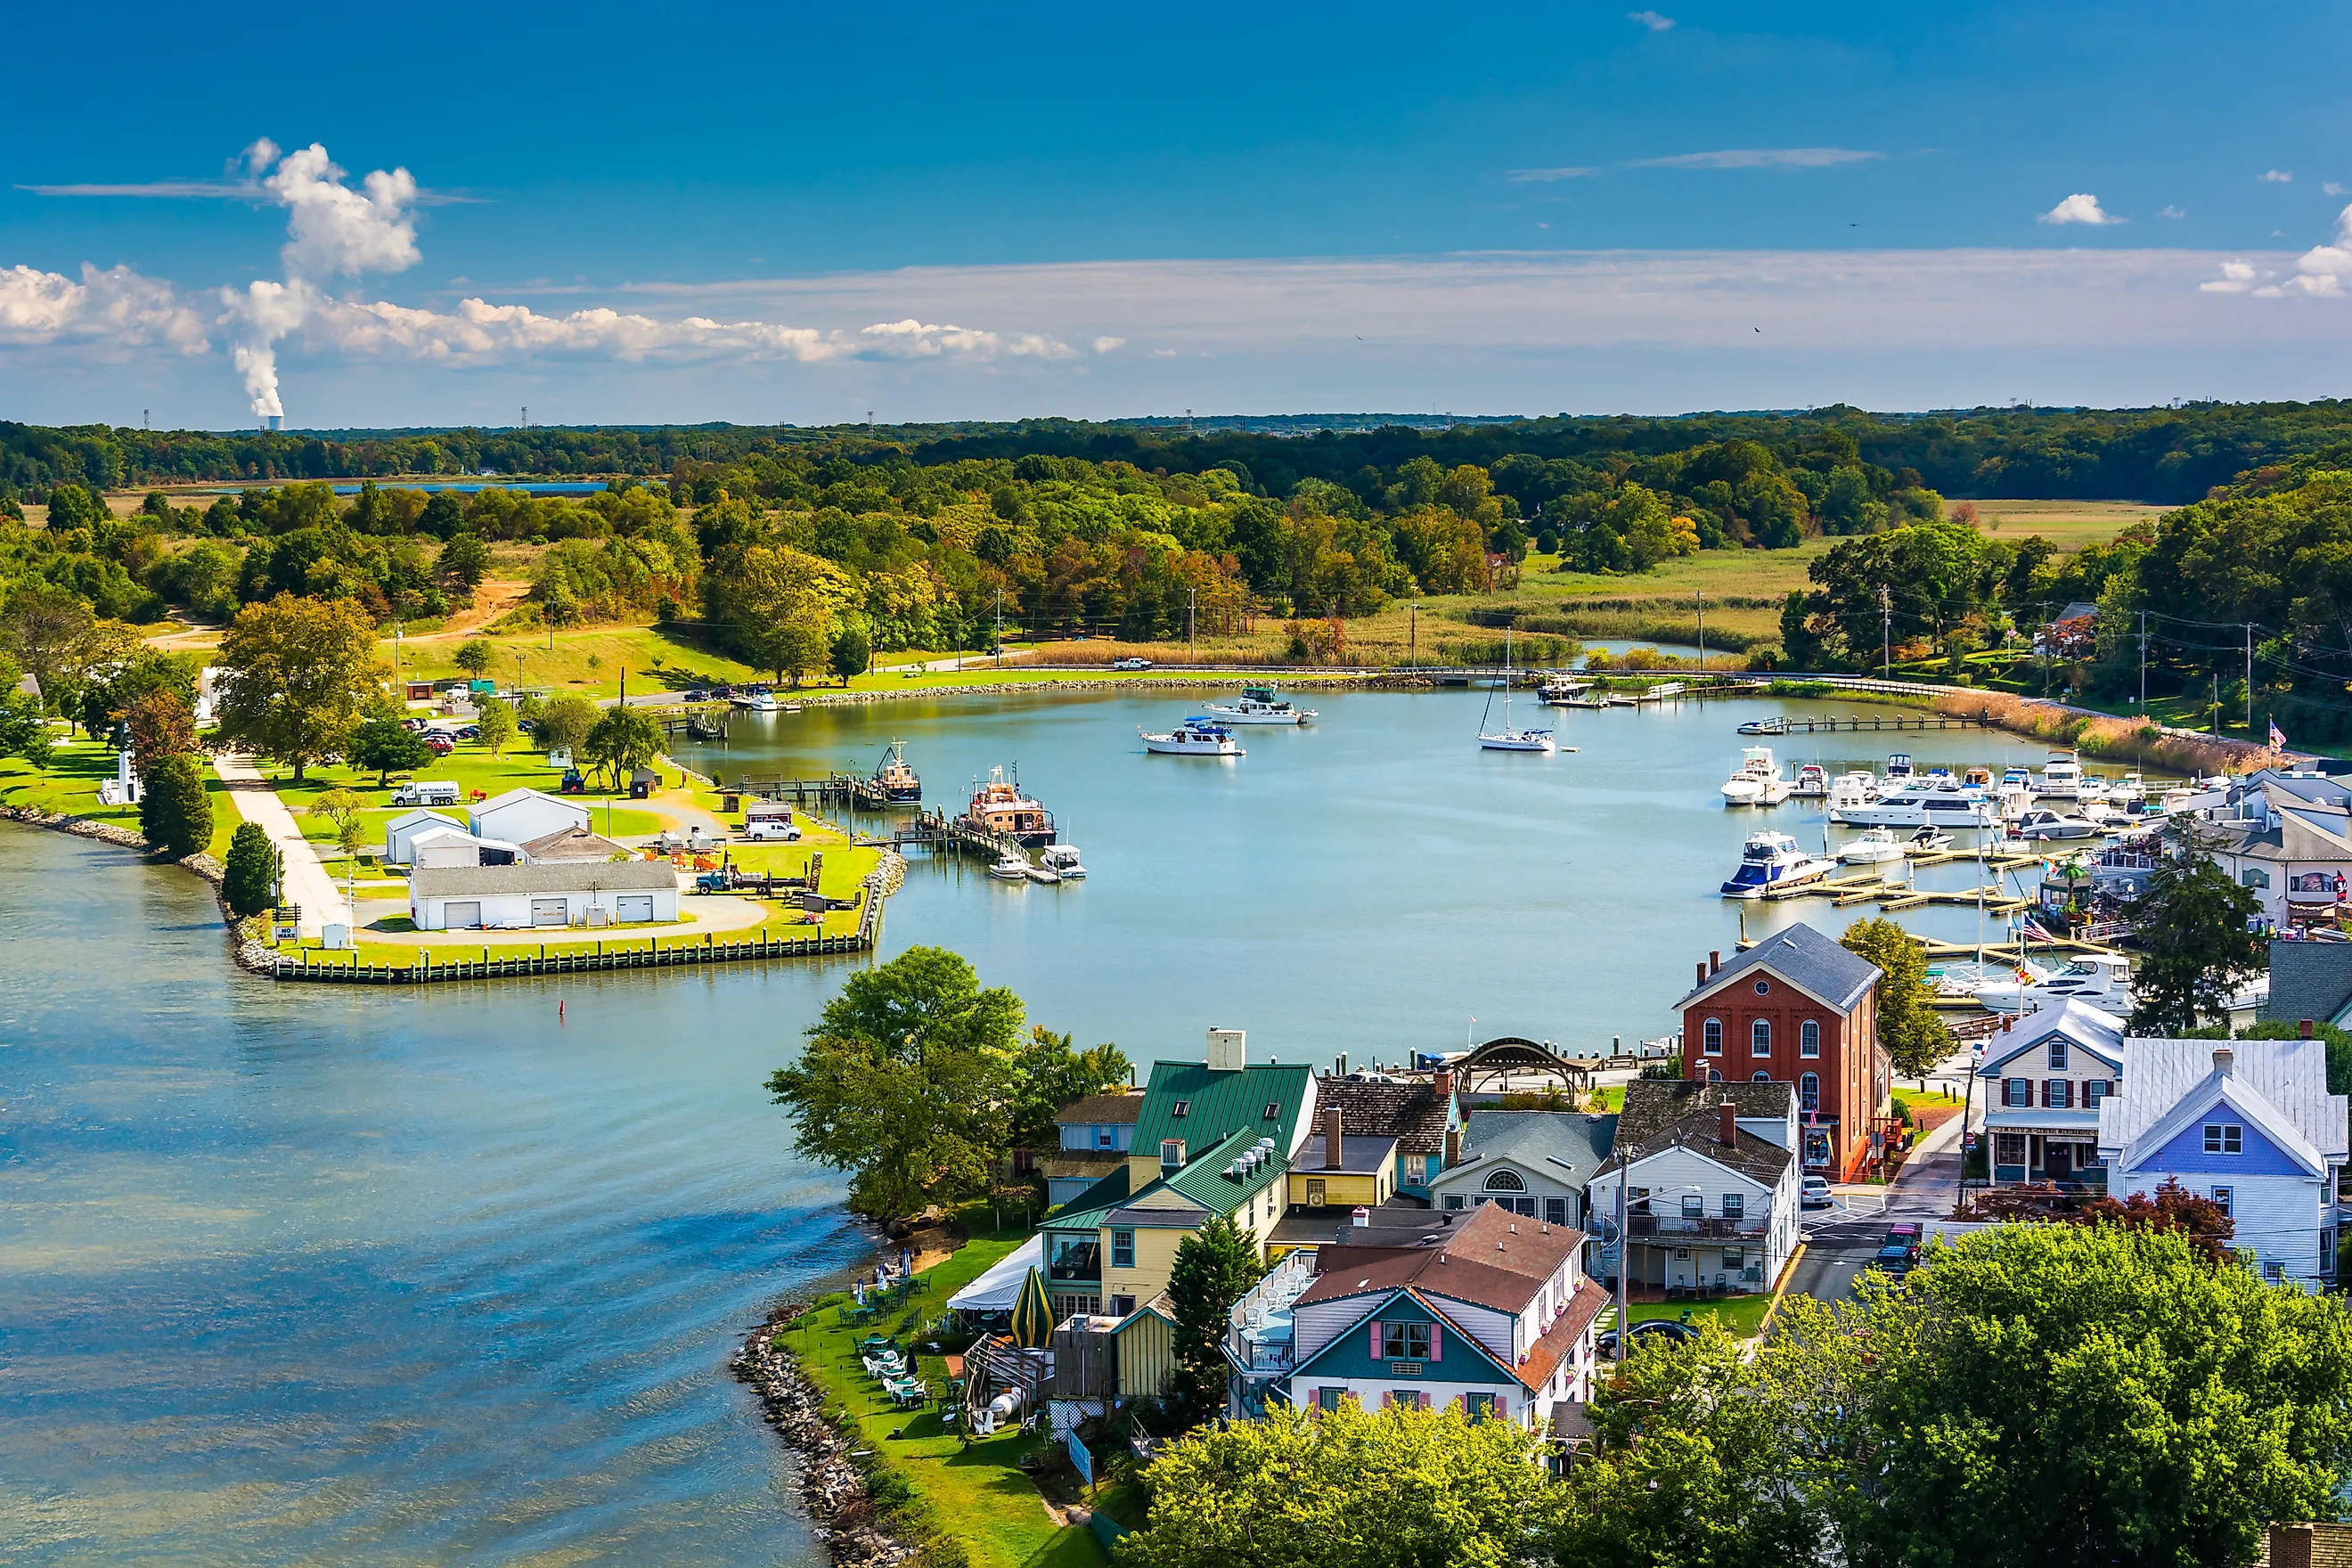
[(1033, 1314)]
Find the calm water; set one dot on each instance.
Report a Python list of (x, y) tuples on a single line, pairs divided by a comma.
[(318, 1276)]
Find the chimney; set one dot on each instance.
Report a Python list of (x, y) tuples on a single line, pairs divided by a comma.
[(1452, 1147), (2224, 1058), (1701, 966), (1727, 1124), (2307, 1028), (1227, 1050), (1362, 1218), (1714, 962), (1444, 1082), (1331, 1139)]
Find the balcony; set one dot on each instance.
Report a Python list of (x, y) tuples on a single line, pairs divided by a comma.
[(1747, 1228)]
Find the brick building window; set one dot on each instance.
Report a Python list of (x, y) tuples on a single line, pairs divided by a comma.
[(1760, 1038), (1808, 1038), (1711, 1038)]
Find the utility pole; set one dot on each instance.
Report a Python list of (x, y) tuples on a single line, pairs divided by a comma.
[(2142, 664), (1625, 1262), (1000, 628), (2249, 681), (1192, 623), (1886, 634), (1701, 594), (1412, 634)]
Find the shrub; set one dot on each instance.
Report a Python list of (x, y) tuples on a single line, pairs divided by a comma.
[(251, 874)]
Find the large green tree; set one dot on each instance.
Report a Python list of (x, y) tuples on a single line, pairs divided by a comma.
[(622, 740), (563, 726), (2195, 930), (1915, 1037), (294, 676), (901, 1082), (1047, 1074), (175, 814), (249, 876), (1345, 1488), (388, 746), (1214, 1267)]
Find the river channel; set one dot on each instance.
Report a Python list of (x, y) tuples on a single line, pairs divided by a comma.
[(302, 1275)]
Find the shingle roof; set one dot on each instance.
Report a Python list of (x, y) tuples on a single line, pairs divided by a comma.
[(1412, 1113), (1545, 1356), (469, 881), (1806, 960), (1100, 1110), (1569, 1145), (1662, 1112), (573, 844), (2309, 980), (1219, 1104), (1494, 1259)]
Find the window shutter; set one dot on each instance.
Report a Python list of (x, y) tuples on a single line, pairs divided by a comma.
[(1436, 1343), (1376, 1342), (1388, 1397), (2065, 1094)]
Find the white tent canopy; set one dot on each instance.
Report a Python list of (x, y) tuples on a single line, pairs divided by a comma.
[(996, 1290)]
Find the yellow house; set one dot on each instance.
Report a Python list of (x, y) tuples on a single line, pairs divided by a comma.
[(1336, 1172)]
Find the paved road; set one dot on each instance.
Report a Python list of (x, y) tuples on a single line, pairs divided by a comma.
[(1840, 1241), (306, 882)]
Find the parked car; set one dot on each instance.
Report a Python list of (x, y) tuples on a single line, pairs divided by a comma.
[(1895, 1258), (1816, 1194), (1905, 1235), (696, 694), (1651, 1328), (441, 743), (1130, 662)]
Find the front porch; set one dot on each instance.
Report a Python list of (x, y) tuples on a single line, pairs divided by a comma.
[(2065, 1157)]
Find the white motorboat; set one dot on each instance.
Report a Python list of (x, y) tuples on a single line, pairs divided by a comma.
[(2061, 777), (1812, 783), (1192, 738), (1927, 839), (1063, 860), (1758, 781), (1898, 768), (1011, 867), (2018, 776), (2128, 792), (2101, 979), (1917, 806), (1773, 860), (1259, 705), (2043, 823), (1876, 846), (1564, 690), (763, 702), (1852, 789), (1777, 726), (1507, 738)]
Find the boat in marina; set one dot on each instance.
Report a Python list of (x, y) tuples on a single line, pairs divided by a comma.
[(1560, 692), (1769, 862), (1898, 768), (1812, 783), (1875, 847), (1849, 790), (2042, 824), (1011, 867), (1508, 739), (1063, 860), (1917, 805), (1765, 726), (1927, 839), (2101, 979), (1757, 780), (1259, 705), (1195, 737), (999, 806), (896, 781), (2128, 792), (1977, 778), (764, 702), (2017, 776), (2061, 777)]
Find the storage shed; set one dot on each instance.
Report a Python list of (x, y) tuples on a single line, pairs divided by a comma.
[(520, 815), (401, 829), (440, 848), (519, 898)]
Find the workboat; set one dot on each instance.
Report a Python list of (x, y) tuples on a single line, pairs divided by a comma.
[(1010, 867), (999, 806), (1916, 805), (1194, 738), (1772, 860), (1063, 859), (2101, 979), (1765, 726), (1812, 783), (1507, 738), (2042, 824), (1758, 781), (2061, 777), (1259, 705), (1875, 847), (896, 781), (1898, 768)]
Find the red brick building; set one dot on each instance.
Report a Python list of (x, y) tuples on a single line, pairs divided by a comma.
[(1798, 1009)]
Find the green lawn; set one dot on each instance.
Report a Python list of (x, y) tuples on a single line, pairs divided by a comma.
[(1740, 1315), (973, 1493), (69, 787)]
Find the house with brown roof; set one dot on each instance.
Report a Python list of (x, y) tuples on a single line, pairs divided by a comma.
[(1711, 1185), (1095, 1133), (1495, 1318), (1418, 1115)]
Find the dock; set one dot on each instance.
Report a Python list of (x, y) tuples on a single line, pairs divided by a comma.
[(937, 831), (1897, 721), (835, 789)]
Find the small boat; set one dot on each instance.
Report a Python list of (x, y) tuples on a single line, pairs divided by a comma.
[(762, 702), (2017, 777), (999, 806), (1063, 860), (1978, 778), (2061, 777), (1765, 726), (1876, 846), (1812, 783), (1011, 867), (1192, 738), (1927, 839), (1566, 691), (1581, 700), (1507, 738), (1898, 767), (1773, 860), (1259, 705), (897, 781), (1758, 781), (2036, 826), (2128, 792)]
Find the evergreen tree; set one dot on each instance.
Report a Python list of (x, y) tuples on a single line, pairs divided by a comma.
[(249, 879), (175, 814), (1214, 1268), (2196, 940)]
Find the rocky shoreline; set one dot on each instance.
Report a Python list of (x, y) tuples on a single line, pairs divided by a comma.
[(833, 1488), (249, 951)]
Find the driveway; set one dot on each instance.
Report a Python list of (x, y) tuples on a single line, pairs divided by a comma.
[(306, 882)]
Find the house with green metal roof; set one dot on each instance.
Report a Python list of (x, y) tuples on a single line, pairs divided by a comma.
[(1212, 1137)]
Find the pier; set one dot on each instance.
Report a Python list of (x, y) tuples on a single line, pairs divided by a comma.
[(1836, 723), (833, 789), (936, 830)]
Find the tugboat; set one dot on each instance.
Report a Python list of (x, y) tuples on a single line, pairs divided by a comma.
[(1195, 737), (999, 806), (897, 781), (1259, 705), (1770, 861)]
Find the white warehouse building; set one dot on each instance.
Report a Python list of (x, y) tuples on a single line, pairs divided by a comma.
[(522, 897)]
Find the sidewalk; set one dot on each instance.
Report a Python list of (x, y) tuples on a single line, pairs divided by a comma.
[(306, 882), (1929, 1184)]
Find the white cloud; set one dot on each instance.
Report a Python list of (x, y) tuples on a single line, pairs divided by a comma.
[(111, 312), (2276, 177), (1651, 20), (1105, 345), (334, 228), (2237, 278), (2080, 208), (1760, 158), (2169, 211), (2333, 189), (1546, 176)]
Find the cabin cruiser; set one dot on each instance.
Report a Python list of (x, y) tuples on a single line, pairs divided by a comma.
[(999, 806), (1063, 859), (1876, 846), (1563, 691), (1258, 705), (1195, 737), (763, 702), (1011, 867), (1758, 781), (1898, 768), (2061, 777), (2017, 776), (1770, 860), (1927, 839), (1852, 789), (2128, 792), (1812, 783), (1978, 778), (896, 781), (2043, 823), (1916, 805), (2102, 979), (1765, 726)]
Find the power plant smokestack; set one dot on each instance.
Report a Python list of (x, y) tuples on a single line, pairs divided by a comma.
[(273, 421)]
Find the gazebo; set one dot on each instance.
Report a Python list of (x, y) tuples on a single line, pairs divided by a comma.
[(1491, 1067)]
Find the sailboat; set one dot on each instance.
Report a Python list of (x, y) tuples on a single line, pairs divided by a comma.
[(1507, 738)]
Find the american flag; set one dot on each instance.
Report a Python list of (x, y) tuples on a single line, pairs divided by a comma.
[(2278, 739)]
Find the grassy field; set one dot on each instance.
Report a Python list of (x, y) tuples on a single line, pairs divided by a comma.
[(970, 1491), (69, 787), (1740, 1315), (2068, 524)]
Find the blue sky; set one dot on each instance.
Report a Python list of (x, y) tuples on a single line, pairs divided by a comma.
[(1130, 212)]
